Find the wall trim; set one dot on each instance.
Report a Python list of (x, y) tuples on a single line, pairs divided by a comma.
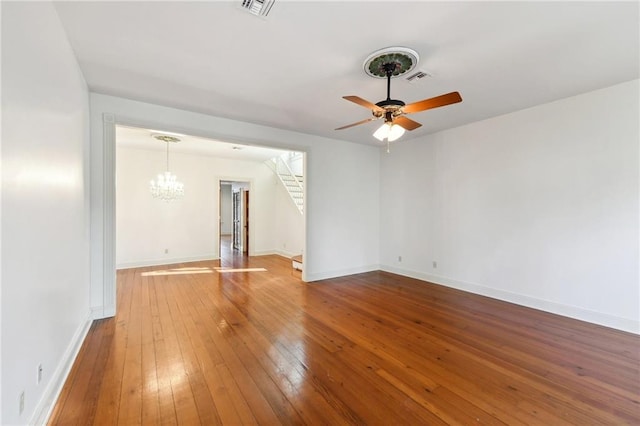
[(599, 318), (50, 396), (310, 277), (262, 253), (109, 212), (100, 312), (166, 261), (286, 253)]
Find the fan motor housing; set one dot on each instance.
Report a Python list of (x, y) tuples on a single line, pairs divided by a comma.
[(395, 103)]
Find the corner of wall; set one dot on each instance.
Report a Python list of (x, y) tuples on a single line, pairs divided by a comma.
[(45, 406), (310, 277)]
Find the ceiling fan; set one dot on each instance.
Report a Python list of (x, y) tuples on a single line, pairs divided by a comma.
[(394, 111)]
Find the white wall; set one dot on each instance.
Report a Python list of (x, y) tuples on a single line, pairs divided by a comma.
[(538, 207), (188, 228), (342, 183), (339, 240), (45, 245), (226, 212)]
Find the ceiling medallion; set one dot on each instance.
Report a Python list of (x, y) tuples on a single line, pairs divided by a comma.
[(403, 60), (166, 138)]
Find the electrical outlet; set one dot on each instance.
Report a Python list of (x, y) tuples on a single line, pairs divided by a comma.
[(21, 408), (39, 374), (166, 251), (435, 264), (399, 258)]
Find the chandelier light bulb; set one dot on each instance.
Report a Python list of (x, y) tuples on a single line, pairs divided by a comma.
[(166, 187)]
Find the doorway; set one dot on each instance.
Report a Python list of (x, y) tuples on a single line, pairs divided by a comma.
[(234, 218), (241, 221), (106, 256)]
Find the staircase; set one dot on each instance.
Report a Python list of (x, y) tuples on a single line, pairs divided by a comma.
[(292, 182)]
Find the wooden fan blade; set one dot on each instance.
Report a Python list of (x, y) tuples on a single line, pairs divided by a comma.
[(362, 102), (406, 123), (359, 122), (438, 101)]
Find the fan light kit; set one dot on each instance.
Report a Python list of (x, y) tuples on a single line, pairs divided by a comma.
[(389, 63), (389, 131)]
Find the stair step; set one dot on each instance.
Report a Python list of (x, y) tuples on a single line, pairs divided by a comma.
[(296, 262), (293, 183)]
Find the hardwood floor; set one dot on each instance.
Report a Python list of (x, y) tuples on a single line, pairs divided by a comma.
[(195, 344)]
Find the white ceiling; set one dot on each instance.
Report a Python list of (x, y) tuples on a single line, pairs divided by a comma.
[(132, 137), (291, 69)]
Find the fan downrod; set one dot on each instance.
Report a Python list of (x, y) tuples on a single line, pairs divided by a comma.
[(392, 104)]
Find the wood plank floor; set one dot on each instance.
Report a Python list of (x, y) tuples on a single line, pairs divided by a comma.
[(195, 344)]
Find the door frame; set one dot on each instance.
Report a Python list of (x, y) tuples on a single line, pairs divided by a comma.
[(100, 155), (252, 213), (244, 196)]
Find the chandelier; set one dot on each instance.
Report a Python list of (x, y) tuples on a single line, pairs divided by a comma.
[(166, 186)]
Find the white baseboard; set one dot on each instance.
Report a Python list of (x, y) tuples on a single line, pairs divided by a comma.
[(282, 253), (287, 254), (165, 261), (607, 320), (317, 276), (262, 252), (101, 312), (45, 406)]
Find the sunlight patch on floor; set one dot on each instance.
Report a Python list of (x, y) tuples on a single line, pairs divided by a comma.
[(194, 270), (225, 270), (178, 271)]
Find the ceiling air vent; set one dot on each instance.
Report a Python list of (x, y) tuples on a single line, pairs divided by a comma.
[(258, 7), (417, 76)]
